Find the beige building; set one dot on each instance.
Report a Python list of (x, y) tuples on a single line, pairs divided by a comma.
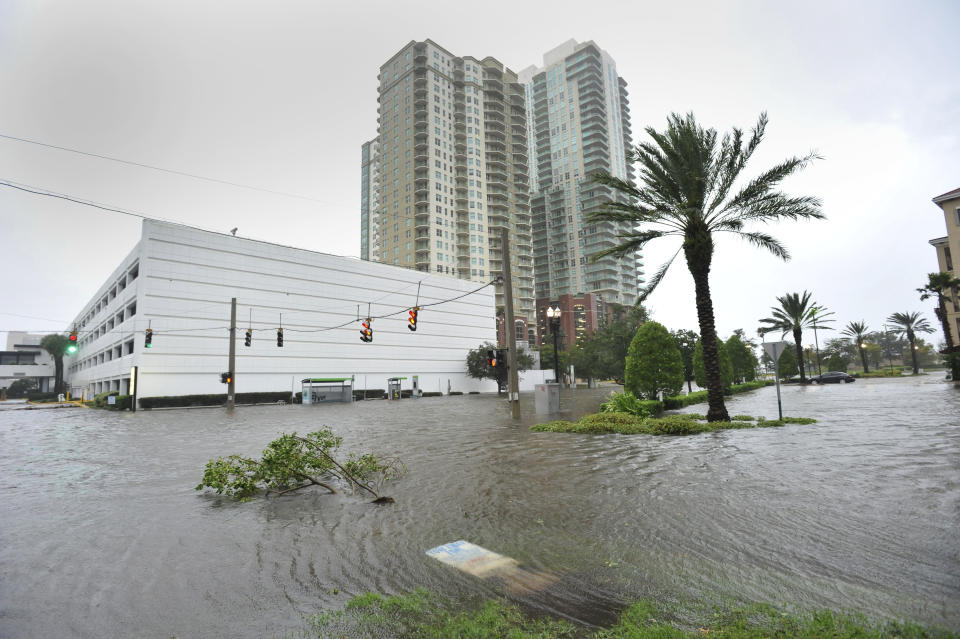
[(948, 251), (451, 170)]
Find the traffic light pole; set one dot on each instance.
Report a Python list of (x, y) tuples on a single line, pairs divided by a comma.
[(513, 387), (233, 353)]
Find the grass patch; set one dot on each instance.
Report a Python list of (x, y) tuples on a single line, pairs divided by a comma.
[(421, 615), (683, 424)]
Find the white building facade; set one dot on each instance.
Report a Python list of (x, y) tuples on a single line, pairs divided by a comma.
[(178, 281), (25, 359)]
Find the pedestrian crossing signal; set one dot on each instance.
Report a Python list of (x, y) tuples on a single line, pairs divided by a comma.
[(366, 330), (148, 338), (249, 337), (492, 358), (280, 337), (413, 318), (72, 343)]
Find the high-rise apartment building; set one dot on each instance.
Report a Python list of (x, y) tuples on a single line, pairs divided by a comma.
[(369, 192), (451, 171), (578, 123)]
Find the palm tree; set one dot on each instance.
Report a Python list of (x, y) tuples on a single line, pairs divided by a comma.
[(857, 331), (942, 285), (56, 345), (795, 314), (908, 325), (687, 177)]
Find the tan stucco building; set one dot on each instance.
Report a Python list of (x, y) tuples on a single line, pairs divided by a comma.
[(948, 251), (447, 172)]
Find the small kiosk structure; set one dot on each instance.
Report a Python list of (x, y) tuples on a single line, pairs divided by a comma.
[(393, 388), (319, 390)]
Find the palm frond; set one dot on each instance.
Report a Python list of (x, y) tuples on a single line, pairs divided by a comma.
[(767, 181), (646, 291), (763, 240), (634, 241)]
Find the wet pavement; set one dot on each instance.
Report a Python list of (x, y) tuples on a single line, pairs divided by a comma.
[(102, 534)]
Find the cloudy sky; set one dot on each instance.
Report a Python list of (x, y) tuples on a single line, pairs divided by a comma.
[(279, 96)]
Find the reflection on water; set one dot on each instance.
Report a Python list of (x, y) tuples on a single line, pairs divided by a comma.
[(103, 534)]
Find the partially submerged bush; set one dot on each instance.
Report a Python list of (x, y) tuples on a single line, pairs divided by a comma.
[(291, 462), (627, 402), (682, 424)]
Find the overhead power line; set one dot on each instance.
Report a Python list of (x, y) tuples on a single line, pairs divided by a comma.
[(38, 191), (165, 170)]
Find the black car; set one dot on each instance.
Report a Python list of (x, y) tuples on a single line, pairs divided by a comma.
[(833, 377)]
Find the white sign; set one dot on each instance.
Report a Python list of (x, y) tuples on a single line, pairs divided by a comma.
[(470, 558), (775, 349)]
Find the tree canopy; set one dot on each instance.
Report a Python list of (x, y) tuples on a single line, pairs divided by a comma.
[(654, 363)]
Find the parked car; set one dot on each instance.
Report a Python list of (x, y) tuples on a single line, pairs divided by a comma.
[(833, 377)]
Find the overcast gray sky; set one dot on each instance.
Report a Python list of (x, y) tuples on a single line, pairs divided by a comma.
[(280, 96)]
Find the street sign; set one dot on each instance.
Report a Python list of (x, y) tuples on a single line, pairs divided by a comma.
[(775, 349)]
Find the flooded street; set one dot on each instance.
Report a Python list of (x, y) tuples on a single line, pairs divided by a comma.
[(102, 533)]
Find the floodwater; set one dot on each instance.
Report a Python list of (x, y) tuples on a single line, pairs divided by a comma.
[(102, 534)]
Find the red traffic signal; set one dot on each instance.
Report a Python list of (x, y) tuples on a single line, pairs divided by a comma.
[(413, 318), (366, 330), (72, 343)]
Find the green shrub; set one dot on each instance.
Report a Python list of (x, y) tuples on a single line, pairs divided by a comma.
[(682, 424), (41, 397), (627, 402), (654, 364), (100, 399), (679, 401), (218, 399), (556, 426), (676, 425), (610, 423)]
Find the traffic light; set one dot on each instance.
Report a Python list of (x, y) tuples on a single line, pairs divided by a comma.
[(248, 338), (226, 378), (148, 338), (280, 337), (72, 343), (413, 318), (366, 330), (492, 358)]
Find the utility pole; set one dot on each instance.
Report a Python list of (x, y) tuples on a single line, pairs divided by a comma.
[(231, 367), (513, 385)]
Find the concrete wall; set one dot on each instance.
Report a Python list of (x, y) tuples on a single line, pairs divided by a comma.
[(183, 290)]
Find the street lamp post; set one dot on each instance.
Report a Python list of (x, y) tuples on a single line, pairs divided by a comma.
[(553, 314)]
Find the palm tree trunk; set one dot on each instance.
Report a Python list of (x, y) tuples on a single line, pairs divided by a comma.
[(717, 411), (797, 338), (863, 358)]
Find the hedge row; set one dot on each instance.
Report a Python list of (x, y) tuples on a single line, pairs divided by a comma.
[(679, 401), (218, 399), (41, 397)]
